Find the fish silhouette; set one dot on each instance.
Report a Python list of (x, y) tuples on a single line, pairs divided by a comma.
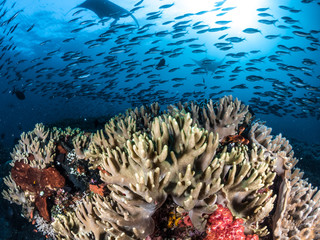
[(161, 64), (19, 94), (105, 8)]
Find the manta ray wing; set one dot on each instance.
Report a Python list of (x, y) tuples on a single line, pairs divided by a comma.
[(210, 65), (105, 8)]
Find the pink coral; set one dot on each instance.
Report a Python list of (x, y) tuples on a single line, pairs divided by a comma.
[(222, 226)]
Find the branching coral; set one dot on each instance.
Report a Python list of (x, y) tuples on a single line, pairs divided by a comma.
[(36, 172), (118, 179), (35, 148), (298, 209)]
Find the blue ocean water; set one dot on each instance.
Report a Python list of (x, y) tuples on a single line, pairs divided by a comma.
[(44, 46), (63, 64)]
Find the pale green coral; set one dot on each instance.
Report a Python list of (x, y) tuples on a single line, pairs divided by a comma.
[(175, 157)]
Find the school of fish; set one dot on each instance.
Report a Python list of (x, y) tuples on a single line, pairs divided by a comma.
[(167, 59)]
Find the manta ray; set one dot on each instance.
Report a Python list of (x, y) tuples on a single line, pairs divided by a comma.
[(105, 8), (210, 65)]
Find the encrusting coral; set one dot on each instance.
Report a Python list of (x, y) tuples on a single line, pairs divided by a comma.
[(174, 174)]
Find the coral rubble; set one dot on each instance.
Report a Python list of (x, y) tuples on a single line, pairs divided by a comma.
[(152, 175)]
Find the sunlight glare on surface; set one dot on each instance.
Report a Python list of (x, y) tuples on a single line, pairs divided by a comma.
[(243, 15)]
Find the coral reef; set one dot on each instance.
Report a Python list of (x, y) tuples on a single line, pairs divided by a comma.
[(204, 171)]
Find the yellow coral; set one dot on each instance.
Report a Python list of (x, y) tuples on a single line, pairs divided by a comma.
[(173, 220)]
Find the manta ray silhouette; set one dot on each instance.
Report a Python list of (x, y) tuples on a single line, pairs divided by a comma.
[(105, 8), (210, 65)]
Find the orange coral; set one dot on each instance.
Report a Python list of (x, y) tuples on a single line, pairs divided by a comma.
[(102, 170), (80, 169), (236, 138), (61, 149), (98, 189)]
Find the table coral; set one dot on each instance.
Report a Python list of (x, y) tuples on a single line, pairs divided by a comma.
[(195, 164)]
